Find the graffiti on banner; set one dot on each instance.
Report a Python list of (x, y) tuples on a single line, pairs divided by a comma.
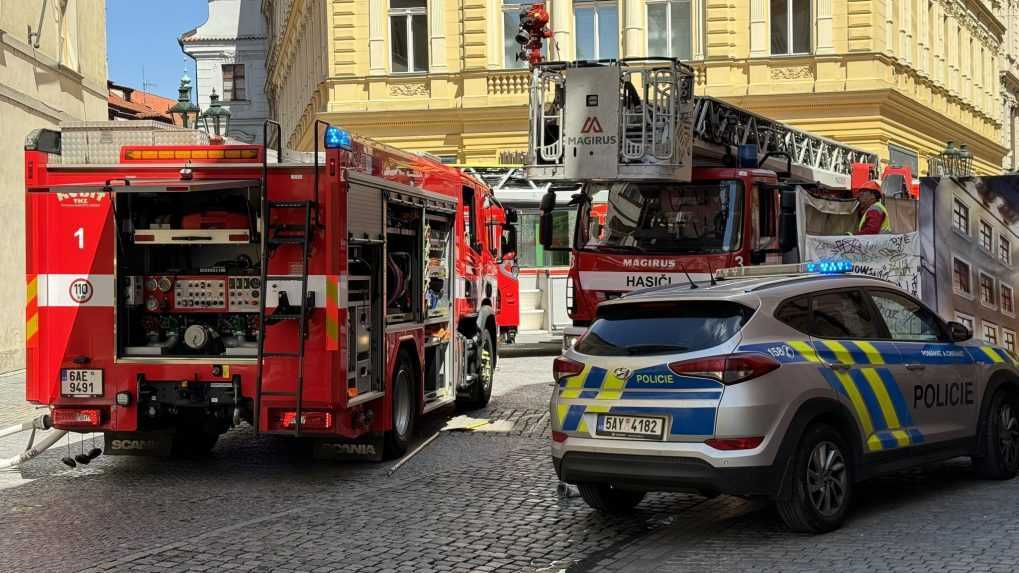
[(894, 258)]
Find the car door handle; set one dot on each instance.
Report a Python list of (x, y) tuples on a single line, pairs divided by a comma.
[(915, 367), (840, 366)]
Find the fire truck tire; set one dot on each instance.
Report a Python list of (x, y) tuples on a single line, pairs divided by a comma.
[(482, 365), (404, 407)]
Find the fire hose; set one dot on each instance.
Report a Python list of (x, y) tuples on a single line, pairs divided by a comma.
[(33, 450)]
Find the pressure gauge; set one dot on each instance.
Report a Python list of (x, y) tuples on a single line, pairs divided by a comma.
[(196, 336), (151, 284), (165, 284), (152, 304)]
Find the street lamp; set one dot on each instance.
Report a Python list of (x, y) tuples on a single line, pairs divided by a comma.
[(951, 162), (965, 161), (216, 116), (187, 111)]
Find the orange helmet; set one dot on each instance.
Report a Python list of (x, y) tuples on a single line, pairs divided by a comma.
[(870, 186)]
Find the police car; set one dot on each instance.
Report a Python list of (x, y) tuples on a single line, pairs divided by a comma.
[(790, 387)]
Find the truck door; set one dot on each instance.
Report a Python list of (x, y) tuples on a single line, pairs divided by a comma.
[(763, 216), (936, 376)]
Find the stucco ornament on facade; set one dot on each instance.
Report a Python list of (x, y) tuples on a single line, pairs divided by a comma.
[(408, 89), (792, 73)]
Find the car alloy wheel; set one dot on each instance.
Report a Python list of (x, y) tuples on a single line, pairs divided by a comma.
[(1008, 434), (827, 478)]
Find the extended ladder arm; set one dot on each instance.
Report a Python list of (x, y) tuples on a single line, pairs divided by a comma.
[(718, 125)]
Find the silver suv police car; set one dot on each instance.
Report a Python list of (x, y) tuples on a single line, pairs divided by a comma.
[(794, 388)]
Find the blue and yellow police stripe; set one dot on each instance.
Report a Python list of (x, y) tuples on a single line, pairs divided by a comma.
[(653, 383)]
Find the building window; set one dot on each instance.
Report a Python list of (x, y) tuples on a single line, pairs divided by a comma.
[(1008, 337), (990, 332), (510, 25), (670, 28), (408, 35), (1004, 250), (962, 278), (960, 217), (233, 83), (1007, 302), (986, 237), (965, 320), (987, 297), (597, 30), (790, 27)]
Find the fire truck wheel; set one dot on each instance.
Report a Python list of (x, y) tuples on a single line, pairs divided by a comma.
[(404, 407), (481, 365)]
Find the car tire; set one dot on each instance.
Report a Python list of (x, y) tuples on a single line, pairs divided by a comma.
[(607, 499), (822, 486), (403, 407), (999, 455), (482, 364)]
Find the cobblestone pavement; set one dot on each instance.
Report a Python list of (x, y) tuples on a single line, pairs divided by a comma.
[(469, 502)]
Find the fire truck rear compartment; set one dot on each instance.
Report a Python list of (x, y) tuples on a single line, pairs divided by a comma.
[(188, 268)]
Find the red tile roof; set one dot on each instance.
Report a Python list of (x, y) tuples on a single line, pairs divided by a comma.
[(142, 105)]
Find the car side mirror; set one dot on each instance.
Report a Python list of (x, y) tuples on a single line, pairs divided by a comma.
[(509, 242), (545, 221), (958, 332)]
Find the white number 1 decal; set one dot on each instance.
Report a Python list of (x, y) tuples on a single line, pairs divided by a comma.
[(80, 233)]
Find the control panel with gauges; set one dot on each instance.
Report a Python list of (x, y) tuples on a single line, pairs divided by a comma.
[(201, 293)]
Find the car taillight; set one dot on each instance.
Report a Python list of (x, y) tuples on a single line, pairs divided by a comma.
[(559, 437), (309, 420), (565, 367), (731, 369), (735, 443), (76, 417)]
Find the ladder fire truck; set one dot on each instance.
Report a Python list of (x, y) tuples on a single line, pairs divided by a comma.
[(673, 186), (178, 286)]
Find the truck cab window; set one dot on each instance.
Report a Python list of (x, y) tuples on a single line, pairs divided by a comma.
[(764, 215), (664, 218), (470, 218)]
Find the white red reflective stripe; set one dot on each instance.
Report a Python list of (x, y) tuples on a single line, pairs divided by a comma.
[(55, 290), (74, 290)]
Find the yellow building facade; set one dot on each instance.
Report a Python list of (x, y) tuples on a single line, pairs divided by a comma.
[(52, 69), (896, 77)]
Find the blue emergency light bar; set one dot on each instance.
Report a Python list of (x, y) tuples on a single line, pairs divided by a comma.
[(829, 267), (336, 138)]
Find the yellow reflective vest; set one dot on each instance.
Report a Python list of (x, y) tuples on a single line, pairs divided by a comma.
[(886, 224)]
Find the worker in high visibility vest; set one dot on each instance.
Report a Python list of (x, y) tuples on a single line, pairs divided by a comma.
[(873, 215)]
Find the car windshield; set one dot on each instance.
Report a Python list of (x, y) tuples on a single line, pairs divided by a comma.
[(662, 217), (662, 328)]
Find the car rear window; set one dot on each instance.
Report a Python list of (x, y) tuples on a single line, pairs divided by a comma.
[(662, 328)]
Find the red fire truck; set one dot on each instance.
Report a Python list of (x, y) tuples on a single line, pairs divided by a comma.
[(178, 286), (673, 186)]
